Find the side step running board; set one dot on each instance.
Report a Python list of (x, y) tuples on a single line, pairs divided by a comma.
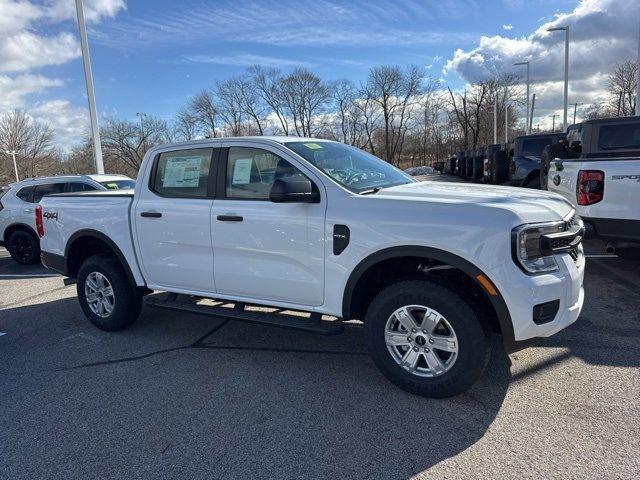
[(275, 317)]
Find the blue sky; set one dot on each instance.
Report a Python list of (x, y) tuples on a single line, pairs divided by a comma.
[(151, 56)]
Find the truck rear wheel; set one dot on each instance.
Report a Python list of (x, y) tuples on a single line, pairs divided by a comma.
[(106, 296), (426, 339)]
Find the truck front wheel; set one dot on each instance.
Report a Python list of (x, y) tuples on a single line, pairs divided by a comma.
[(106, 296), (426, 339)]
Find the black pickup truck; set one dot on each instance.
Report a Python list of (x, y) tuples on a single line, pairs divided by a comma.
[(524, 163)]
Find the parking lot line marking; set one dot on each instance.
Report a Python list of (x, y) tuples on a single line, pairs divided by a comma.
[(34, 275), (604, 255)]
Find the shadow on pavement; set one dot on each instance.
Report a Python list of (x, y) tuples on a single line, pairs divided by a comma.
[(187, 396), (13, 270)]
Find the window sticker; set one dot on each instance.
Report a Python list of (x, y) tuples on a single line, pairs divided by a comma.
[(313, 146), (242, 171), (182, 172), (112, 186)]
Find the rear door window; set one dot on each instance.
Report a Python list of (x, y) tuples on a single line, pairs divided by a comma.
[(183, 173), (47, 189)]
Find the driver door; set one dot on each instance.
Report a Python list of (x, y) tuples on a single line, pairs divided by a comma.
[(265, 250)]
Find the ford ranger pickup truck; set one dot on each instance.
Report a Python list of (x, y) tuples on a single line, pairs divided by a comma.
[(598, 169), (325, 231)]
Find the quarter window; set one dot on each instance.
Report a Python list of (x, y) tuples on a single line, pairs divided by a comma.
[(79, 187), (47, 189), (252, 171), (183, 173), (25, 194)]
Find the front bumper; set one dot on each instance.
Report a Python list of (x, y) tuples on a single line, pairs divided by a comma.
[(522, 293)]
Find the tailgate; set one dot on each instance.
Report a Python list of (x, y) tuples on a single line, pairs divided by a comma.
[(621, 195)]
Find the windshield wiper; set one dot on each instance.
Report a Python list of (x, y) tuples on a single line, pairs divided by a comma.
[(369, 191)]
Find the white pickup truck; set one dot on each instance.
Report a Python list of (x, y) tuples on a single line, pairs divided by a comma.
[(304, 225), (598, 170)]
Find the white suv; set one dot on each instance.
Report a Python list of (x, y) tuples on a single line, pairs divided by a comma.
[(17, 204)]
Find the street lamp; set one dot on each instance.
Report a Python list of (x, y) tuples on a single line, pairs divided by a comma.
[(566, 70), (13, 153), (527, 128)]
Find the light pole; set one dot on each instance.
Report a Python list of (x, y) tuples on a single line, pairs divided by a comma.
[(495, 119), (144, 142), (88, 76), (506, 117), (13, 153), (553, 122), (527, 128), (566, 71)]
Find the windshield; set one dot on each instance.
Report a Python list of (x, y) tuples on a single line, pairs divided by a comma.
[(119, 184), (349, 166)]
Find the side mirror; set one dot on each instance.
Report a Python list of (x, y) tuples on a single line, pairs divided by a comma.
[(294, 190)]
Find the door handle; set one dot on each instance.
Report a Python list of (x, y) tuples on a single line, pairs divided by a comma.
[(151, 214), (230, 218)]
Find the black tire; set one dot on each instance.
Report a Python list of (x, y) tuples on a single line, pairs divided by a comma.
[(629, 253), (24, 247), (474, 346), (127, 302)]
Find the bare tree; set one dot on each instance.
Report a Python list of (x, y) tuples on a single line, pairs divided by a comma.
[(395, 92), (268, 84), (202, 106), (125, 143), (31, 139), (621, 85), (305, 96), (186, 125), (230, 105)]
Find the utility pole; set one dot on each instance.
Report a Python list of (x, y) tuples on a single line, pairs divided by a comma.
[(13, 153), (533, 106), (527, 128), (575, 110), (88, 76), (506, 117), (495, 119), (553, 123), (566, 70)]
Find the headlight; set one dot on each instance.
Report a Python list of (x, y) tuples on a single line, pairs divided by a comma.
[(526, 247)]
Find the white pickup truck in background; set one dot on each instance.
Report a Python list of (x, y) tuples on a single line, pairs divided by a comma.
[(598, 170), (306, 225)]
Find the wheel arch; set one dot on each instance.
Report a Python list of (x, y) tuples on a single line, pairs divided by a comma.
[(18, 226), (87, 242), (535, 173), (472, 272)]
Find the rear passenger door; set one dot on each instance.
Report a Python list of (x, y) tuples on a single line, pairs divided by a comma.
[(173, 222)]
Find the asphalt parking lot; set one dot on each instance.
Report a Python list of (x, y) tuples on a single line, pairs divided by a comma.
[(183, 396)]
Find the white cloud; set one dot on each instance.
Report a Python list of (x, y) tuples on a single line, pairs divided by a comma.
[(13, 90), (247, 59), (94, 10), (507, 26), (26, 50), (602, 32), (70, 123), (17, 15)]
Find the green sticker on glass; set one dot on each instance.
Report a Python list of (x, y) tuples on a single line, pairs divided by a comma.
[(313, 146)]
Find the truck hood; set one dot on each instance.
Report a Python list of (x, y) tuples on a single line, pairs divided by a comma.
[(530, 205)]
